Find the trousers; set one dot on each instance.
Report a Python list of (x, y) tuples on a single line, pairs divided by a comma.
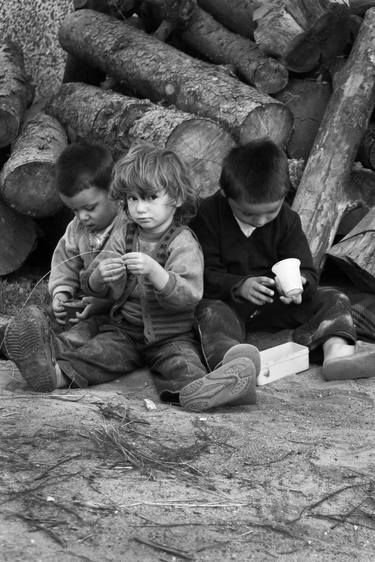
[(325, 315), (99, 350)]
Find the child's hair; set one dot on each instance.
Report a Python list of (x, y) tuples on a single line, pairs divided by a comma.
[(83, 165), (256, 172), (147, 169)]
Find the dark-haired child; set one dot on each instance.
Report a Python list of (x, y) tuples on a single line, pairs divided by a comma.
[(83, 177), (244, 229), (155, 272)]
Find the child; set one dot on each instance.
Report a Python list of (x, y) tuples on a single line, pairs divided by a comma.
[(157, 278), (244, 229), (83, 177)]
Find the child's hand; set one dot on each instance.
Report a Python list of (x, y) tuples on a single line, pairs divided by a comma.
[(142, 264), (139, 263), (296, 299), (94, 306), (257, 290), (58, 306), (107, 271)]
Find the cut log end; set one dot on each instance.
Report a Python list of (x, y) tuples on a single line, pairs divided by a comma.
[(18, 238), (9, 126), (30, 189), (202, 144), (271, 76), (274, 120)]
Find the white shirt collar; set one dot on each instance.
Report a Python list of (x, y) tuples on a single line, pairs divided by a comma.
[(246, 229)]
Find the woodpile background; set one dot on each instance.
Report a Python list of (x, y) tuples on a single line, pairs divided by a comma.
[(196, 76)]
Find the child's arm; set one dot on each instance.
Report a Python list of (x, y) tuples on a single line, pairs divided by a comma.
[(66, 263), (184, 270)]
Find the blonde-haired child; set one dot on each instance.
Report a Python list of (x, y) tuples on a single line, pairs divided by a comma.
[(155, 273)]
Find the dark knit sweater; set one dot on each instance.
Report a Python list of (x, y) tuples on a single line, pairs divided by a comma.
[(230, 257)]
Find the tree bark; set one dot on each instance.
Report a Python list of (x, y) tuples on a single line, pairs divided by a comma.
[(303, 33), (34, 26), (355, 253), (160, 72), (116, 120), (359, 7), (18, 236), (307, 99), (212, 40), (366, 153), (236, 15), (27, 180), (15, 91), (320, 198)]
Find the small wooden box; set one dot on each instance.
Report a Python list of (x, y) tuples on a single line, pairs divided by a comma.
[(282, 360)]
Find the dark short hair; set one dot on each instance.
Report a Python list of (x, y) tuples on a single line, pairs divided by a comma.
[(83, 165), (256, 172)]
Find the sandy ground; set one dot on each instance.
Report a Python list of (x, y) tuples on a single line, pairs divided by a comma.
[(95, 475)]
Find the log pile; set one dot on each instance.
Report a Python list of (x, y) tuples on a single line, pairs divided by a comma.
[(199, 76)]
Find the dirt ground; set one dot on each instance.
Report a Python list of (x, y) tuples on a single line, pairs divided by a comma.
[(95, 475)]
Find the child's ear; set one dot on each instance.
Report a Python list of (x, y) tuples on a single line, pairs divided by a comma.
[(178, 202), (222, 193)]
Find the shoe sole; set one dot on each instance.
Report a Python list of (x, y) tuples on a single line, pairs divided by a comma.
[(233, 382), (28, 346)]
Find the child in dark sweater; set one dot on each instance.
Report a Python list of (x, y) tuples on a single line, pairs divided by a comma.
[(244, 229)]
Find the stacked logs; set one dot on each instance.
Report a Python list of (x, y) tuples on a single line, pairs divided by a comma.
[(200, 76)]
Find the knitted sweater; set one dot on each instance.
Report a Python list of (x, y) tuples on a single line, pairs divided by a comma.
[(74, 253), (169, 312), (230, 257)]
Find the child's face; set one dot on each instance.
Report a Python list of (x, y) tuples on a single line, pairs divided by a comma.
[(255, 214), (92, 207), (153, 213)]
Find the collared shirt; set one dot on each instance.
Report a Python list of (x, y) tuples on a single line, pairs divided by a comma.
[(246, 229)]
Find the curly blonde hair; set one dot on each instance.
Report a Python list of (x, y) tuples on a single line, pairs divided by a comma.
[(146, 169)]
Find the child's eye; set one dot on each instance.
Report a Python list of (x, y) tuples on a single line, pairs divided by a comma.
[(131, 198), (152, 197)]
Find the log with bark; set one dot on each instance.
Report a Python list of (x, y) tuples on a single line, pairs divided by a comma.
[(16, 92), (34, 26), (307, 100), (204, 35), (366, 153), (359, 7), (355, 253), (236, 15), (217, 44), (18, 236), (157, 71), (27, 180), (320, 199), (116, 120), (302, 34)]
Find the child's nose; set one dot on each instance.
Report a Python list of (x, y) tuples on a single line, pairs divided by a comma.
[(141, 205), (83, 216)]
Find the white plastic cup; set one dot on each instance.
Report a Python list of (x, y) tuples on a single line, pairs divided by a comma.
[(289, 276)]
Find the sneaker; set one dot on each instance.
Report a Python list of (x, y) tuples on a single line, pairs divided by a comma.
[(231, 384), (244, 350), (361, 364), (28, 342)]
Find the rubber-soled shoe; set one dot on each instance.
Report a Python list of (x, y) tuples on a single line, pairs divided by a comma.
[(361, 364), (244, 350), (231, 384), (28, 342)]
